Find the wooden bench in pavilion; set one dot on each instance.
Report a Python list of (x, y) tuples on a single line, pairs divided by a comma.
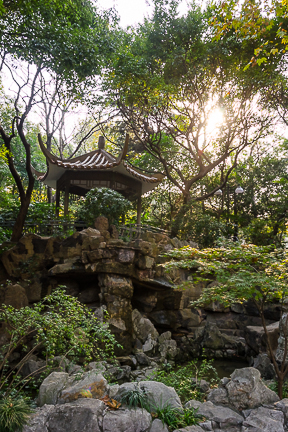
[(95, 170)]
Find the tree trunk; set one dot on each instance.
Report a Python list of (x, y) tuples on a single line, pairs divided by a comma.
[(49, 195), (19, 224), (280, 386)]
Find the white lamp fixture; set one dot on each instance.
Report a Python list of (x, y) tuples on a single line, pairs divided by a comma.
[(218, 192), (239, 190)]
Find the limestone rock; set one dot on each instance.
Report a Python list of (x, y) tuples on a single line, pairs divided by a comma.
[(92, 381), (70, 266), (245, 390), (158, 426), (283, 406), (189, 318), (17, 259), (158, 393), (114, 234), (212, 337), (223, 416), (116, 285), (33, 367), (256, 338), (116, 293), (51, 387), (34, 289), (118, 374), (82, 415), (15, 295), (145, 262), (113, 390), (283, 330), (167, 346), (38, 421), (150, 345), (126, 256), (146, 301), (142, 327), (264, 420), (136, 420), (264, 365), (143, 359), (89, 295), (101, 223), (191, 429)]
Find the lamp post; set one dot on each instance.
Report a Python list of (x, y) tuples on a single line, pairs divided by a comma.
[(238, 190)]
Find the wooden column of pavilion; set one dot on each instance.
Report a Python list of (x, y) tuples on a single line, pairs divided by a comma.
[(96, 169)]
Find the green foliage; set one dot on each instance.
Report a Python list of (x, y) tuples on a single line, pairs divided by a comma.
[(103, 202), (244, 272), (69, 37), (262, 207), (263, 23), (175, 418), (58, 325), (203, 228), (274, 387), (14, 414), (186, 379), (136, 397)]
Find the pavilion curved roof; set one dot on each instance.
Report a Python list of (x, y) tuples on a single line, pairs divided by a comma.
[(97, 160)]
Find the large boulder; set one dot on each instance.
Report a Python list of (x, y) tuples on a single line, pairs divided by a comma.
[(158, 394), (244, 390), (264, 420), (158, 426), (15, 295), (224, 417), (116, 293), (136, 420), (263, 363), (51, 387), (143, 327), (167, 346), (82, 415), (256, 338), (39, 419), (92, 383), (282, 405)]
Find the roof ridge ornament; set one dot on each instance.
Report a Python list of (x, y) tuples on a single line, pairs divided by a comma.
[(101, 143)]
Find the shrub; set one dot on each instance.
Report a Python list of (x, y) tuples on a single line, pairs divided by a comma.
[(136, 397), (175, 418), (58, 325), (103, 202), (183, 378), (14, 414)]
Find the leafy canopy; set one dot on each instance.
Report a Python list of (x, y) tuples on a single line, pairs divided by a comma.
[(71, 38), (243, 272)]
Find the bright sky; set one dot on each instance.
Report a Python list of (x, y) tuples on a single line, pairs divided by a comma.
[(133, 11)]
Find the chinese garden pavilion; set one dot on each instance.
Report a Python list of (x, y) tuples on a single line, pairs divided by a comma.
[(95, 170)]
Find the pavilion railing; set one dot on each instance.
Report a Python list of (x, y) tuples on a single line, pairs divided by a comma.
[(134, 231), (48, 227)]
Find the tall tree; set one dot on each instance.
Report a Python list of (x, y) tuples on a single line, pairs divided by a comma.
[(70, 39), (265, 22), (185, 97)]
